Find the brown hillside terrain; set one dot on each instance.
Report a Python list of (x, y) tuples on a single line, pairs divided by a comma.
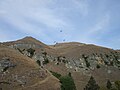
[(18, 72), (75, 50), (81, 77), (82, 60), (30, 42)]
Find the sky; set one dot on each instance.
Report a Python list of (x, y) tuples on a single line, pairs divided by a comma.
[(86, 21)]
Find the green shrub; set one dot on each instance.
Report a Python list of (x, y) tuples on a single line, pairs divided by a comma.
[(67, 83), (87, 63), (109, 85), (20, 50), (38, 62), (58, 59), (98, 66), (56, 74), (44, 53), (92, 85), (69, 74), (46, 61), (31, 51), (117, 84)]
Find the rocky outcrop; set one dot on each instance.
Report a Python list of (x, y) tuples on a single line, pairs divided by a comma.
[(5, 63), (74, 55), (27, 46), (94, 61)]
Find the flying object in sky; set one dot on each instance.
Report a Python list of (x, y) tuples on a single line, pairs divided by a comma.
[(54, 41), (60, 30), (64, 40)]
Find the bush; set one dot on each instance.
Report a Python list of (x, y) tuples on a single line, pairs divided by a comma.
[(67, 83), (31, 51), (87, 64), (58, 59), (38, 62), (86, 61), (56, 74), (109, 85), (44, 53), (98, 66), (46, 61), (69, 74), (20, 50), (92, 85), (117, 84), (84, 56)]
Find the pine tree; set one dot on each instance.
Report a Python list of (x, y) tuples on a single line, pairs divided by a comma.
[(117, 84), (92, 85), (109, 85)]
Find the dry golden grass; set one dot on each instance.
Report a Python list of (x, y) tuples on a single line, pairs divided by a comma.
[(25, 67), (69, 50)]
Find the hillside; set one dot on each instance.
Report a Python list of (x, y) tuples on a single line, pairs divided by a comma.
[(18, 72), (29, 42), (85, 60), (76, 49), (79, 59)]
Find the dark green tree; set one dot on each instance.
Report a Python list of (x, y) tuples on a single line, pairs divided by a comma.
[(92, 85), (46, 61), (109, 85), (69, 74), (86, 60), (57, 75), (44, 53), (98, 66), (67, 83), (84, 56), (117, 84), (38, 62), (87, 63), (31, 51)]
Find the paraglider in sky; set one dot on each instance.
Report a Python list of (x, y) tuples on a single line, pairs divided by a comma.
[(60, 30), (55, 44), (54, 41), (61, 33), (64, 40)]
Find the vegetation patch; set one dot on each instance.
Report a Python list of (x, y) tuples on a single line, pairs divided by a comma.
[(38, 62), (97, 66), (92, 85), (67, 82), (56, 74), (46, 61), (31, 51)]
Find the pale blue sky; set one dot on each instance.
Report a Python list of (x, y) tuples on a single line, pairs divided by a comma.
[(87, 21)]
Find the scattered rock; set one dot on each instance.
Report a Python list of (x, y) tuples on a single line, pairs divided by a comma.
[(5, 63), (109, 71)]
